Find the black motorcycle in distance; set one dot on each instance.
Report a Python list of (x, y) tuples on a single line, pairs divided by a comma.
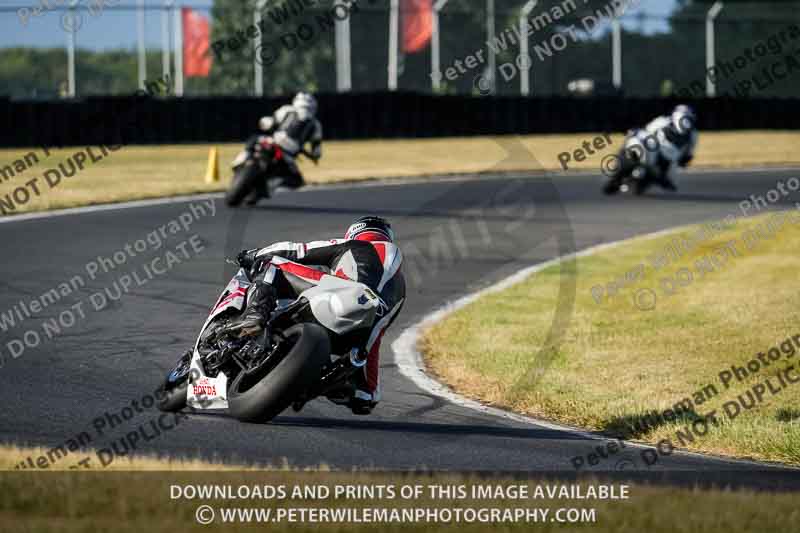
[(257, 172)]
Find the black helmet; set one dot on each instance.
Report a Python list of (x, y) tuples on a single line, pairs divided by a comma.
[(370, 228)]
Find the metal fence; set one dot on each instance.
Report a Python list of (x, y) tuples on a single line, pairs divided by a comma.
[(637, 48)]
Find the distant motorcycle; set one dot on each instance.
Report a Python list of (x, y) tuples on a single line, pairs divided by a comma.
[(306, 350), (257, 172), (637, 166)]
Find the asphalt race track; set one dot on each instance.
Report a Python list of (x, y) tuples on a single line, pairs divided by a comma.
[(459, 236)]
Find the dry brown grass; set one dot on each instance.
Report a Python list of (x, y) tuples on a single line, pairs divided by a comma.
[(11, 456), (617, 362)]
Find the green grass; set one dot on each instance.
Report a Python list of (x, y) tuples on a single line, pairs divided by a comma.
[(616, 362)]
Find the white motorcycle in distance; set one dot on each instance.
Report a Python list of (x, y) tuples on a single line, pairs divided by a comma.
[(643, 161), (307, 350)]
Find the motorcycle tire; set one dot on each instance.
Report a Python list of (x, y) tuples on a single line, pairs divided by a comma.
[(267, 398), (641, 186), (611, 187), (171, 395), (244, 182)]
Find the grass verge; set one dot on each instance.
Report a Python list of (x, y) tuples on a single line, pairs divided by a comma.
[(138, 172), (24, 458), (665, 324)]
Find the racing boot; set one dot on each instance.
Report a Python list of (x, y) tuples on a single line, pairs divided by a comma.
[(261, 190), (663, 180), (252, 198), (667, 184), (362, 402), (261, 300), (293, 179)]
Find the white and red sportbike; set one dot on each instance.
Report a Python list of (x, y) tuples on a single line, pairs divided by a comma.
[(306, 350)]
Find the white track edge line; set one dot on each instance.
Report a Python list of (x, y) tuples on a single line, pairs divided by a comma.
[(108, 207)]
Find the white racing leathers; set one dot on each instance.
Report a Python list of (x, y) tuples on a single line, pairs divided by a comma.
[(293, 267), (292, 128), (666, 148)]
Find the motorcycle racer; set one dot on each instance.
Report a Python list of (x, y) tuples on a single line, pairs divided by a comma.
[(291, 127), (654, 151), (677, 140), (367, 254)]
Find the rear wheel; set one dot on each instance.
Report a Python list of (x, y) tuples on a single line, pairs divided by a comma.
[(171, 396), (260, 397), (244, 182)]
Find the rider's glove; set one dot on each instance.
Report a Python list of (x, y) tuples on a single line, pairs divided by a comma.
[(266, 123), (247, 258)]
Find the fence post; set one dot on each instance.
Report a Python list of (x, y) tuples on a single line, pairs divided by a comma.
[(711, 85), (524, 48), (436, 60), (394, 29), (258, 67), (344, 80), (616, 35)]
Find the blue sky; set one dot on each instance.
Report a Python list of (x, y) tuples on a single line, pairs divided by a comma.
[(113, 29)]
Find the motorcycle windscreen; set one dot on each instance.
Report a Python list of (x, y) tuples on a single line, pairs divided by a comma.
[(233, 296), (342, 306)]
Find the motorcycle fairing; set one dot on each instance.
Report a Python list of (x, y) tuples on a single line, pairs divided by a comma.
[(205, 392), (342, 305), (337, 304), (641, 143)]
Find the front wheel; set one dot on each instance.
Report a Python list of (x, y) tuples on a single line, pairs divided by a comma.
[(611, 187), (171, 395), (641, 186), (244, 182), (256, 398)]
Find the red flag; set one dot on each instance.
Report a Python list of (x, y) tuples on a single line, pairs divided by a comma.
[(417, 24), (196, 36)]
